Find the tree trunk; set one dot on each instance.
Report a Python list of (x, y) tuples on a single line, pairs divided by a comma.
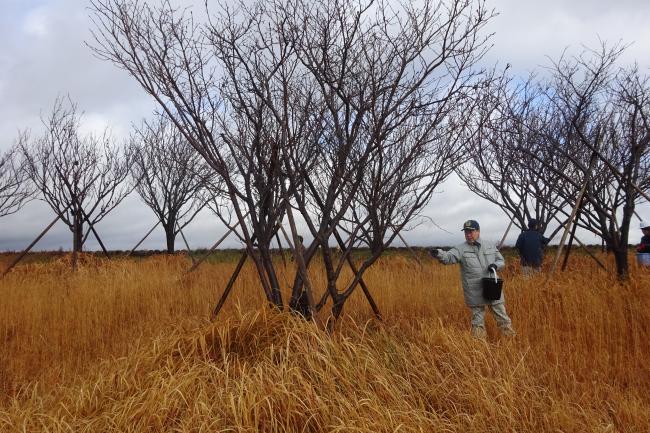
[(170, 236), (77, 234), (620, 255), (299, 303), (622, 265), (267, 262)]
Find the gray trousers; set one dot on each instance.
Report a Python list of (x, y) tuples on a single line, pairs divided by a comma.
[(498, 311)]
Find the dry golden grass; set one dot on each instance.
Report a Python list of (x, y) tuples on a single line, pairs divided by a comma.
[(126, 346)]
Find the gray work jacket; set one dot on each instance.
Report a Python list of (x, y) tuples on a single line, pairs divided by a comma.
[(474, 260)]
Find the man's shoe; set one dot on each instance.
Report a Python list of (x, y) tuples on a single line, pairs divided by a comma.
[(478, 332), (508, 331)]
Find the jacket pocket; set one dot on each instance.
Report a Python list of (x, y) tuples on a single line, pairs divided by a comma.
[(490, 255), (471, 261)]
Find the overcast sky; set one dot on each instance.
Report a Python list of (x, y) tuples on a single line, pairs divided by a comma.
[(42, 55)]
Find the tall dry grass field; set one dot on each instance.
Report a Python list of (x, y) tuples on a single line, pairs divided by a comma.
[(127, 346)]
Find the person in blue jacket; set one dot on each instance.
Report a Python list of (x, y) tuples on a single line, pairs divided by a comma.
[(530, 245), (644, 245)]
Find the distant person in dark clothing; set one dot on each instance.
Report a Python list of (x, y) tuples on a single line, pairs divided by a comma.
[(530, 245), (644, 246)]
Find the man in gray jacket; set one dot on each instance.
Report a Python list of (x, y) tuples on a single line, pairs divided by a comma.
[(477, 260)]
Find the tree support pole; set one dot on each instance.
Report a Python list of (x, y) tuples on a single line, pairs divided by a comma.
[(302, 267), (417, 259), (354, 269), (503, 239), (638, 216), (299, 257), (75, 229), (573, 234), (101, 244), (189, 251), (286, 238), (512, 220), (24, 253), (212, 248), (142, 240), (567, 227), (284, 259), (92, 227), (574, 211), (229, 286), (584, 247), (233, 278)]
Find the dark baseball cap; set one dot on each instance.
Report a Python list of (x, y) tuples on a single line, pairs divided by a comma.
[(470, 225)]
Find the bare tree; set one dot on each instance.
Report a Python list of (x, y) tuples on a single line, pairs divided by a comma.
[(292, 102), (388, 107), (512, 117), (603, 111), (170, 56), (81, 177), (15, 188), (170, 176), (399, 182)]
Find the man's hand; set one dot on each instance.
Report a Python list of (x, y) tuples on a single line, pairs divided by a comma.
[(492, 267), (434, 252)]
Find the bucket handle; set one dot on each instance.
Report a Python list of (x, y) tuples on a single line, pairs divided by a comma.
[(495, 275)]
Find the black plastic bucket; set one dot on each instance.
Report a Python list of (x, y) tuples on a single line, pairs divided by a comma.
[(492, 287)]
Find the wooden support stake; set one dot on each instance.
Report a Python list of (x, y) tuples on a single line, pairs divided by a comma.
[(212, 248), (302, 269), (24, 253), (229, 286), (286, 238), (584, 247), (512, 220), (189, 251), (614, 169), (142, 240), (362, 283), (231, 281), (101, 244), (574, 211), (503, 239), (638, 216), (417, 259), (284, 259), (300, 259), (573, 234), (92, 227), (567, 227)]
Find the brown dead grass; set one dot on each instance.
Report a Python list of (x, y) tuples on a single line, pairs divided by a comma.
[(127, 346)]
